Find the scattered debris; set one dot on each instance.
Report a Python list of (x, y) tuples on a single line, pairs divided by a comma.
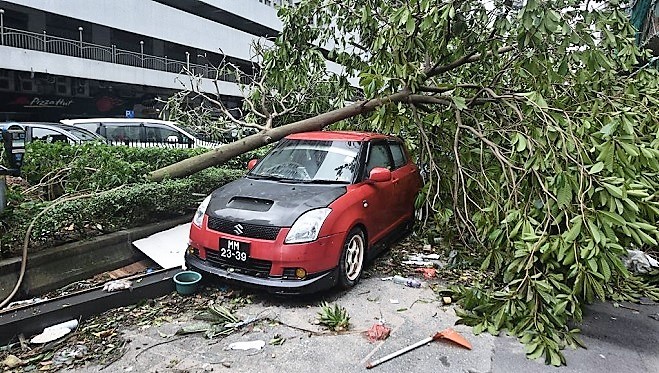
[(277, 340), (129, 270), (428, 273), (424, 260), (116, 285), (54, 332), (447, 300), (12, 361), (448, 334), (378, 332), (393, 301), (27, 302), (247, 345), (640, 262), (410, 282), (69, 355)]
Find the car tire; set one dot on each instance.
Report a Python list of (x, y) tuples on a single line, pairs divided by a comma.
[(351, 262)]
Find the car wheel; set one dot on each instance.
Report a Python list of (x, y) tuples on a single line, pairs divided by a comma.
[(352, 258)]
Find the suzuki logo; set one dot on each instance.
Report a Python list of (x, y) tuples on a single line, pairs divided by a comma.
[(238, 229)]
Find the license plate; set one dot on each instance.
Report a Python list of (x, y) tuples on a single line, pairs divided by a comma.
[(233, 250)]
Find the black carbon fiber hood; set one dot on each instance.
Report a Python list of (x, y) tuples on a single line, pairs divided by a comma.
[(271, 203)]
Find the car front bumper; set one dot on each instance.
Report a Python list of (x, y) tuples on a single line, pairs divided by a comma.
[(275, 285)]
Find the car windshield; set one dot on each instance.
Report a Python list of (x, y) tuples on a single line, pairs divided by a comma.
[(81, 134), (310, 161)]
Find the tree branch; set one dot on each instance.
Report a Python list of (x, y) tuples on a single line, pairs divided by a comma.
[(472, 57)]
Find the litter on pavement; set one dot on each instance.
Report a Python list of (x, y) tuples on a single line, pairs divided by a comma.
[(378, 332), (167, 247), (54, 332), (247, 345), (640, 262), (116, 285), (448, 334)]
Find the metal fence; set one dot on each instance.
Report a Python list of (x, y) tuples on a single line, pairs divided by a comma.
[(78, 48)]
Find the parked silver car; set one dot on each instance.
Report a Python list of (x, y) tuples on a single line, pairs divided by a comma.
[(55, 132), (140, 132)]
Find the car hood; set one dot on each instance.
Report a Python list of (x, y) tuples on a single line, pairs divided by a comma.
[(271, 203)]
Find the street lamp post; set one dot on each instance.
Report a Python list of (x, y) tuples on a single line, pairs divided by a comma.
[(2, 27), (142, 51), (80, 35)]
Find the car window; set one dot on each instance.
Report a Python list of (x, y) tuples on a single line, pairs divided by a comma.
[(398, 154), (122, 132), (378, 157), (91, 127), (48, 135), (160, 133), (82, 134)]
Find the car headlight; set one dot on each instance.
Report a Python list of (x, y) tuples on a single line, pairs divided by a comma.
[(307, 226), (198, 219)]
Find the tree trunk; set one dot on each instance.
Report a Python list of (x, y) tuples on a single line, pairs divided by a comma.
[(222, 154)]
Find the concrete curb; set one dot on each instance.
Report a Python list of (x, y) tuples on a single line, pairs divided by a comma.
[(55, 267)]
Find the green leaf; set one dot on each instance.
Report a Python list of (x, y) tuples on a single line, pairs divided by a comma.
[(459, 102), (597, 167), (613, 190), (573, 232)]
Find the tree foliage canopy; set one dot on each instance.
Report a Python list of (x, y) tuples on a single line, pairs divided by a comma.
[(536, 125), (537, 128)]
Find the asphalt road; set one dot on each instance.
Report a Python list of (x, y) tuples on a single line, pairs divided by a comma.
[(618, 339)]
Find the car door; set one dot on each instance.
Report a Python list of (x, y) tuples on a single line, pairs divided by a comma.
[(405, 178), (380, 194)]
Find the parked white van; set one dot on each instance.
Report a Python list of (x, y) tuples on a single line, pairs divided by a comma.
[(140, 132)]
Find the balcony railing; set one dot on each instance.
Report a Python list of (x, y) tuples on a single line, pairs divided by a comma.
[(78, 48)]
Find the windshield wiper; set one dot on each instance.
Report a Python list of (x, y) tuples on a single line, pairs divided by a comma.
[(264, 177), (321, 181), (274, 177)]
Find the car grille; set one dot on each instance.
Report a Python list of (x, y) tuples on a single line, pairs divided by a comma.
[(251, 267), (263, 232)]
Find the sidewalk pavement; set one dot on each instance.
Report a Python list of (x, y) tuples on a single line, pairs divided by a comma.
[(618, 339)]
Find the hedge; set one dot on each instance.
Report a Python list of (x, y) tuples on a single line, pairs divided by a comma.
[(135, 202)]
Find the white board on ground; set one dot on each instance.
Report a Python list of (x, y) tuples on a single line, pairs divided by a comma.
[(167, 247)]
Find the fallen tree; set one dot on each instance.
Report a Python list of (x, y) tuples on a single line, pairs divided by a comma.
[(537, 128)]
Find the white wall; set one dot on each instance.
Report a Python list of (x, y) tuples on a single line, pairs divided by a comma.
[(28, 60), (163, 22)]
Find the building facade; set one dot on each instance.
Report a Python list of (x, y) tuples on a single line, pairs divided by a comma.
[(92, 58)]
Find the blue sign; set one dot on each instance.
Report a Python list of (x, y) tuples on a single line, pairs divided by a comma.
[(130, 114)]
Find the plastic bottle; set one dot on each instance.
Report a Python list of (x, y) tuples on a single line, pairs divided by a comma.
[(411, 282)]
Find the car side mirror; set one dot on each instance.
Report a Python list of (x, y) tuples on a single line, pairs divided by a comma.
[(379, 174), (251, 164)]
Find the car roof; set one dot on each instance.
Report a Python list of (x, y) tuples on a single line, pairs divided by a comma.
[(116, 120), (338, 135)]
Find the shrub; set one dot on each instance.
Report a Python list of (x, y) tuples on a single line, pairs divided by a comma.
[(99, 169)]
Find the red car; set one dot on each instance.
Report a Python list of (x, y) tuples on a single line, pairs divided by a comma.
[(309, 214)]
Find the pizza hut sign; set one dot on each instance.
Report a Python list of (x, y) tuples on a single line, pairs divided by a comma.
[(39, 102)]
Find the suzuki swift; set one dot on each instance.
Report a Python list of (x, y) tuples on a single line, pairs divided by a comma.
[(309, 214)]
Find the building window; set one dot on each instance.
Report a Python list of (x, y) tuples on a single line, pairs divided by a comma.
[(6, 80), (63, 86)]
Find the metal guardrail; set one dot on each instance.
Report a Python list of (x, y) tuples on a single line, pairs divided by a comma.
[(78, 48)]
